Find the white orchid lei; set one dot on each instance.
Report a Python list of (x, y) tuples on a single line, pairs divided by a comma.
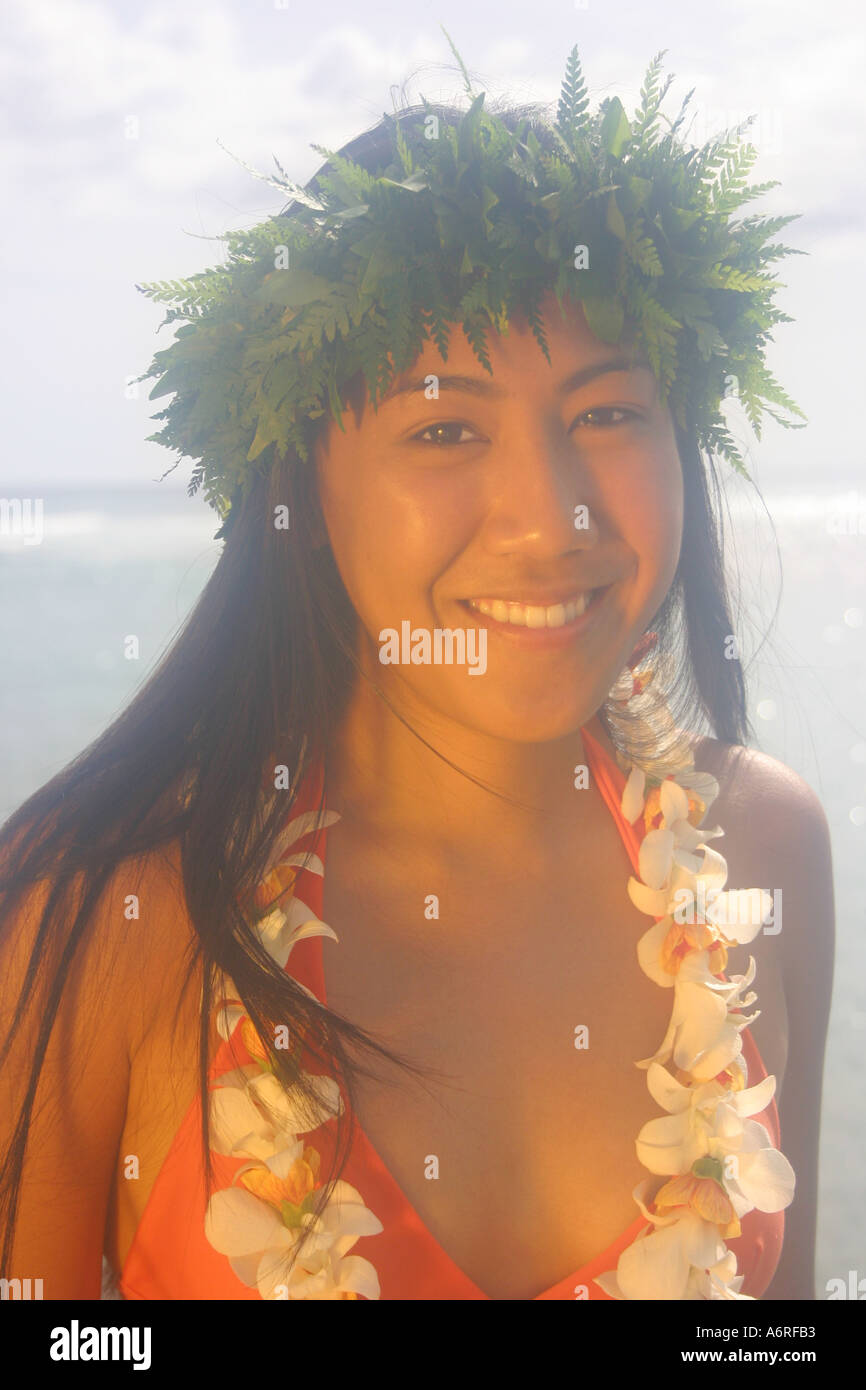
[(720, 1163), (257, 1221)]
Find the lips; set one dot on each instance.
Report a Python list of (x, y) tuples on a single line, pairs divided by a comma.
[(509, 615), (532, 615), (542, 598)]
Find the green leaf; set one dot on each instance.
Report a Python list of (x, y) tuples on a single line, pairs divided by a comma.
[(644, 252), (260, 355), (379, 266), (615, 219), (615, 129), (489, 199), (605, 317), (572, 111), (645, 116), (640, 189), (292, 288), (414, 183), (709, 339), (466, 82)]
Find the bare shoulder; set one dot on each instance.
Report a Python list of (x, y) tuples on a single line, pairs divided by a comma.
[(778, 832), (79, 1022), (779, 837), (145, 910), (750, 780), (137, 935)]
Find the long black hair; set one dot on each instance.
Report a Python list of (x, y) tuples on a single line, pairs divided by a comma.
[(259, 677)]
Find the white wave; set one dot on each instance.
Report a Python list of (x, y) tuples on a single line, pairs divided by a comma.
[(112, 535)]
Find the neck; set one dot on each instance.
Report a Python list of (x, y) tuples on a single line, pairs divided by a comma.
[(382, 776)]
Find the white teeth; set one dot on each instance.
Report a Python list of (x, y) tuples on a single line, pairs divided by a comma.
[(531, 615)]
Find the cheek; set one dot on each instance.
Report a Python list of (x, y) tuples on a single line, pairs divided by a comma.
[(393, 532), (649, 516), (661, 510)]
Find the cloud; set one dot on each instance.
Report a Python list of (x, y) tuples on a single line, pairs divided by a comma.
[(107, 113), (113, 112)]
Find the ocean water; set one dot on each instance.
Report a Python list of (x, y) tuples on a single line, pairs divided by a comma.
[(113, 565)]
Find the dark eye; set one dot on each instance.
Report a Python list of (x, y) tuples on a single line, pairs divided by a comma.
[(607, 410), (444, 433), (440, 430)]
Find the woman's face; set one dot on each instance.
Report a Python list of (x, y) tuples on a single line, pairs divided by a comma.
[(525, 490)]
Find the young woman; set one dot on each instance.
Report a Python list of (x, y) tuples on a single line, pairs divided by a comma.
[(295, 869)]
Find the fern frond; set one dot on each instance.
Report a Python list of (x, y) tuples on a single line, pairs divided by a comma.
[(719, 440), (536, 322), (294, 190), (466, 81), (645, 116), (571, 113)]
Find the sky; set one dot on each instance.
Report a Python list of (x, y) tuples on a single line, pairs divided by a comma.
[(123, 125)]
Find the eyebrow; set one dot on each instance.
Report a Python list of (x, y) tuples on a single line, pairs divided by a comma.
[(477, 386)]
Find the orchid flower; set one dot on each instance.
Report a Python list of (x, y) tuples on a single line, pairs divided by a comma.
[(659, 1264), (260, 1240)]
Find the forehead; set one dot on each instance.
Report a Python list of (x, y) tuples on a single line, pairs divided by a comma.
[(576, 355)]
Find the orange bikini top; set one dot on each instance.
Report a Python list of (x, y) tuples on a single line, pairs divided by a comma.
[(171, 1258)]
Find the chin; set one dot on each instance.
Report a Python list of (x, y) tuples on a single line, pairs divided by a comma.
[(530, 725)]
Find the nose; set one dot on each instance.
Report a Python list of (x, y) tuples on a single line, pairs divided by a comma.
[(540, 499)]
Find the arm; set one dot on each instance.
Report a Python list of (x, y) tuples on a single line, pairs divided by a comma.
[(796, 839), (80, 1104)]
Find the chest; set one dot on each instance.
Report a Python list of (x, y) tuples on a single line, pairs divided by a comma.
[(518, 989), (521, 994)]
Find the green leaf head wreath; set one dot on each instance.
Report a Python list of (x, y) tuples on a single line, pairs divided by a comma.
[(469, 223)]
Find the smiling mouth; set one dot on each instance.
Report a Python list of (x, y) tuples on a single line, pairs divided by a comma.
[(528, 615)]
